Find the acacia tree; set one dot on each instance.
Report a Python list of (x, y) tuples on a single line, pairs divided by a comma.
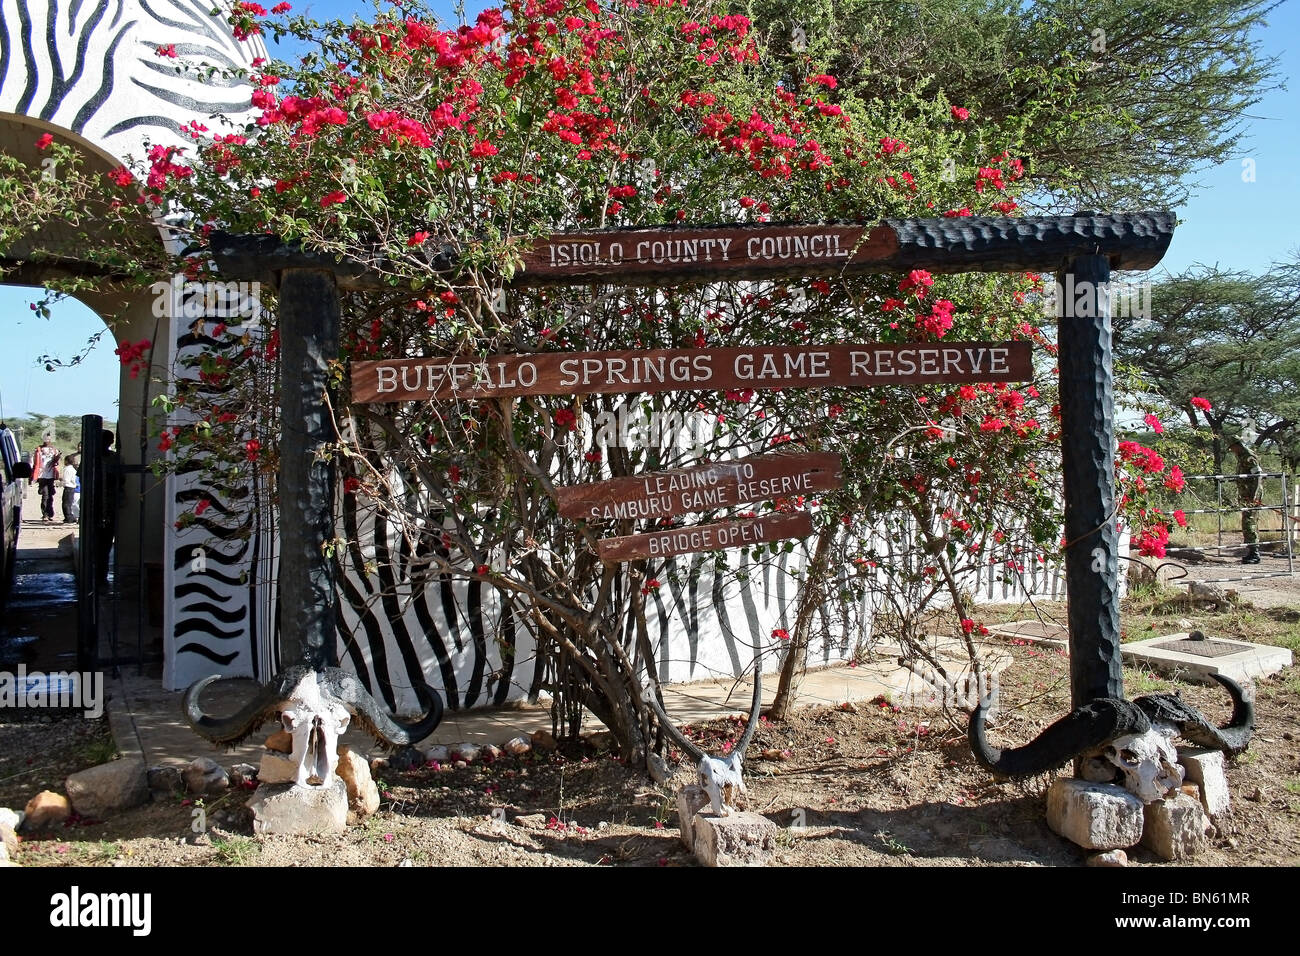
[(1115, 102), (439, 154), (1221, 347)]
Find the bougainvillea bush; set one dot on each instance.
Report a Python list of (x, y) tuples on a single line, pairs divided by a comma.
[(407, 144)]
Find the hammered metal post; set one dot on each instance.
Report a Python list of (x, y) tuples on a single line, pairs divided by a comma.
[(309, 339), (1088, 466)]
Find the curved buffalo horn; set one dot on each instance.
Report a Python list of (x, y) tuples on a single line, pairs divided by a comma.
[(231, 730), (376, 720), (1077, 732), (1232, 738), (679, 738), (751, 724)]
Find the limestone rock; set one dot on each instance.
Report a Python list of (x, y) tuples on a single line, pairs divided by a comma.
[(517, 746), (165, 779), (543, 740), (690, 801), (378, 765), (659, 770), (1205, 768), (8, 841), (281, 742), (290, 810), (46, 809), (489, 753), (531, 821), (205, 777), (276, 768), (466, 752), (1177, 827), (740, 839), (1112, 858), (12, 819), (363, 795), (1096, 816), (440, 753), (101, 791), (243, 775), (601, 740)]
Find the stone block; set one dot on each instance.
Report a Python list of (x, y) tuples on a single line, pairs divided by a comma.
[(690, 801), (104, 790), (1177, 827), (46, 809), (1096, 816), (281, 742), (276, 768), (363, 795), (287, 809), (518, 746), (740, 839), (1206, 769)]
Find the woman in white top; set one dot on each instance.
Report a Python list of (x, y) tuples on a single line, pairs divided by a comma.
[(70, 489)]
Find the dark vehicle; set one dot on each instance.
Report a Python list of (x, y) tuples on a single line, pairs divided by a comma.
[(13, 472)]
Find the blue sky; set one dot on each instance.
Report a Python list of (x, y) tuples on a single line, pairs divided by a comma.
[(1230, 222)]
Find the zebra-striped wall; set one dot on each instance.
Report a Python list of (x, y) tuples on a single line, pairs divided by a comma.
[(91, 67)]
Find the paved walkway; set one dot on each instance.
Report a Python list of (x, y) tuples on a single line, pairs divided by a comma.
[(147, 719)]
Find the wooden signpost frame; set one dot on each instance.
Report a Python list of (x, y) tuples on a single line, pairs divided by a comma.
[(1086, 247)]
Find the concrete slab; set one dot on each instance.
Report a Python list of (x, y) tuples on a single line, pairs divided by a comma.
[(1034, 632), (1177, 656)]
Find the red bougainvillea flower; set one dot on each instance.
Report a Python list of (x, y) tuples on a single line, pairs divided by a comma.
[(251, 449), (781, 633), (918, 280), (168, 51), (483, 569), (967, 625), (1175, 481), (333, 199), (417, 239), (960, 113), (202, 506), (121, 176), (351, 483), (453, 474), (1202, 403), (1154, 423), (566, 418), (1180, 518), (45, 141)]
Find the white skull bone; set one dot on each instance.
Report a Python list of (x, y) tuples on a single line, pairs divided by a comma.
[(1148, 761), (722, 779), (315, 721)]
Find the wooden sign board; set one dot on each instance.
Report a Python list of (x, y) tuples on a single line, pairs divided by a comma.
[(728, 251), (706, 537), (669, 370), (664, 494)]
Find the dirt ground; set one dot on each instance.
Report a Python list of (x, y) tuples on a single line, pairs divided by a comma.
[(876, 787)]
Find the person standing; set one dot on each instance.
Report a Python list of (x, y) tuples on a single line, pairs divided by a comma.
[(69, 489), (45, 466), (1249, 495)]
